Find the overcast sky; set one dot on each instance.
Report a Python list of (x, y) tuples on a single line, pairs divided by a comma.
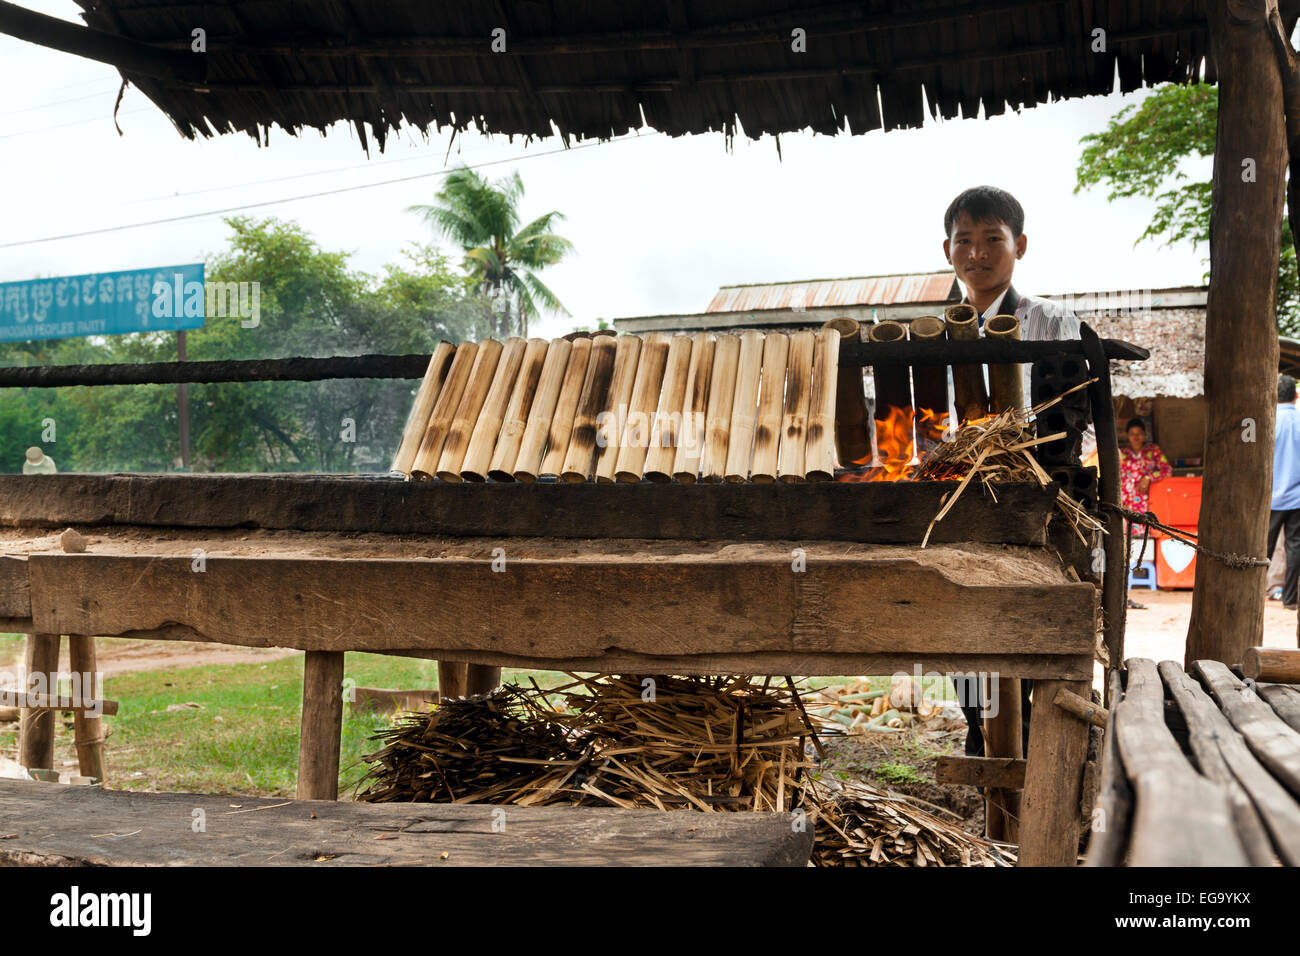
[(658, 223)]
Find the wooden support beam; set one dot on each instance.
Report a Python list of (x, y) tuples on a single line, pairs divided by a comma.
[(129, 56), (482, 678), (1049, 804), (88, 728), (1081, 708), (1007, 773), (1273, 664), (9, 698), (453, 679), (322, 725), (36, 727), (1003, 736), (1241, 349)]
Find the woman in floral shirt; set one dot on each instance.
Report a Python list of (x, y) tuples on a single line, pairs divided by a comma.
[(1139, 465)]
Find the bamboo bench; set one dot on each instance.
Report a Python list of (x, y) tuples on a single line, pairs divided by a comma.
[(48, 824), (1199, 769)]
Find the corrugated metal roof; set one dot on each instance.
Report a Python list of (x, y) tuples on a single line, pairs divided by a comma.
[(821, 293)]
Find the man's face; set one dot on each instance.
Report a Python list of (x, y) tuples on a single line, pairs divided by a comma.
[(983, 253)]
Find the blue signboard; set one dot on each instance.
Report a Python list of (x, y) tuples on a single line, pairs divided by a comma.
[(105, 303)]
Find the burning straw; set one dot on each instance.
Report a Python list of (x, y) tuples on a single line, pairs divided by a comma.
[(997, 449), (668, 743)]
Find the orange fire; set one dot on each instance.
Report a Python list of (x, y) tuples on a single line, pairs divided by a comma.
[(896, 457)]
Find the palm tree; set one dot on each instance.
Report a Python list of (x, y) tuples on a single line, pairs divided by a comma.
[(482, 217)]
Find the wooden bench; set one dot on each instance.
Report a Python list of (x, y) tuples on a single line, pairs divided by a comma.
[(48, 824), (1199, 769)]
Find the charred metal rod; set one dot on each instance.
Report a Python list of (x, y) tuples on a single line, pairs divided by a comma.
[(298, 369), (985, 351)]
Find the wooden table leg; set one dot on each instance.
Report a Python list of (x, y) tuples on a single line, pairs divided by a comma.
[(1049, 806), (322, 725), (482, 679), (88, 731), (1004, 735), (453, 679), (36, 727)]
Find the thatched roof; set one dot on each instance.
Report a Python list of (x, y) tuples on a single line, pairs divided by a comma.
[(599, 68)]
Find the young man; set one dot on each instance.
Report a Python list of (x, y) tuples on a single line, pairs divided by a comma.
[(984, 238), (1284, 514)]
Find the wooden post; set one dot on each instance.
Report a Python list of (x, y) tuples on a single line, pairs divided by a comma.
[(453, 679), (88, 731), (1003, 734), (36, 727), (322, 725), (1241, 350), (1049, 805), (482, 678)]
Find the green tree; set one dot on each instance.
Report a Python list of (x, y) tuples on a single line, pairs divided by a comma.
[(1143, 152), (482, 217)]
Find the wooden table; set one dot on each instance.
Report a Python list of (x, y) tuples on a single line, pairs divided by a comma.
[(86, 826), (1198, 769), (814, 579)]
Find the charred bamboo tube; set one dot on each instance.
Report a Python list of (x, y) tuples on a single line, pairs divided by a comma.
[(717, 420), (418, 421), (515, 420), (483, 437), (744, 406), (852, 434), (579, 460), (665, 434), (480, 381), (791, 459), (695, 407), (819, 457), (566, 407), (444, 410), (771, 403), (970, 397), (929, 386), (635, 441), (613, 418), (1006, 382), (533, 443)]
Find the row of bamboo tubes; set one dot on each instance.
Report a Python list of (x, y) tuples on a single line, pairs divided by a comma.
[(749, 406)]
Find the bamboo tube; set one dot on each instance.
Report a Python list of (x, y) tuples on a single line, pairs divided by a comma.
[(819, 456), (427, 396), (771, 402), (444, 410), (695, 407), (929, 386), (1006, 382), (471, 403), (717, 420), (542, 411), (613, 417), (744, 406), (560, 430), (483, 437), (967, 380), (515, 420), (665, 434), (635, 441), (894, 418), (852, 434), (580, 459), (790, 465)]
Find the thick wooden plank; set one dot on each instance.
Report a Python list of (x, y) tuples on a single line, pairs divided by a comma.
[(1284, 700), (1181, 818), (1006, 773), (117, 828), (1049, 803), (1223, 758), (738, 599), (879, 512), (15, 593), (1112, 815), (1275, 744), (322, 725)]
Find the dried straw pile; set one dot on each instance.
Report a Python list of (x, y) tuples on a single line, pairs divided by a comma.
[(678, 743)]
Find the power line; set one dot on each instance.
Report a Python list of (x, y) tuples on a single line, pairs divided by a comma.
[(329, 192), (93, 119), (44, 106)]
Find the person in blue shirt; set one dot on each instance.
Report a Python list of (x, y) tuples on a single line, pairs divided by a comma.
[(1285, 514)]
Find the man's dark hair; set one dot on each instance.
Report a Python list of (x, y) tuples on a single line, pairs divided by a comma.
[(986, 204), (1285, 389), (1136, 423)]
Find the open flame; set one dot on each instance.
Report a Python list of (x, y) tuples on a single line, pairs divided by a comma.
[(898, 435)]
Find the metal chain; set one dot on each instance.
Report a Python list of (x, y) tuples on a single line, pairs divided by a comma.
[(1231, 559)]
